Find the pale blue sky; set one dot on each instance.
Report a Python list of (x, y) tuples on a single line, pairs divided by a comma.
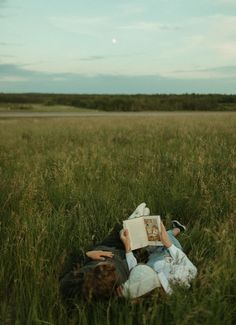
[(107, 46)]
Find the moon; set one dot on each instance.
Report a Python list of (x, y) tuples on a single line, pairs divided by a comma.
[(114, 40)]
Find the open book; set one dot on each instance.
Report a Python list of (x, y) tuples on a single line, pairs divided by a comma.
[(144, 231)]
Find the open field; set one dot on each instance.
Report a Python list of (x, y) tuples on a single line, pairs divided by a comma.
[(66, 180), (36, 108), (91, 113)]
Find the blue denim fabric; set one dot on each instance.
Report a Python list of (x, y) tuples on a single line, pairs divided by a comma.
[(160, 252)]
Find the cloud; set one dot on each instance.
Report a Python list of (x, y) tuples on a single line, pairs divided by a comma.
[(7, 56), (203, 42), (10, 44), (130, 8), (224, 1), (230, 69), (105, 57), (11, 73), (14, 78), (93, 58), (58, 78), (8, 69), (220, 35), (104, 25), (81, 25), (150, 26), (222, 72), (227, 49)]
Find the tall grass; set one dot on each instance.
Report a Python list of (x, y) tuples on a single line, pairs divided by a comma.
[(65, 182)]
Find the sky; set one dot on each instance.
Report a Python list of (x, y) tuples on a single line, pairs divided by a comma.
[(125, 46)]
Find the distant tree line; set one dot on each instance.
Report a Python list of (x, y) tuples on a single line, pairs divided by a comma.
[(139, 102)]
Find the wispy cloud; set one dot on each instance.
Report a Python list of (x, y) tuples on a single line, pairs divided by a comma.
[(80, 25), (222, 72), (130, 9), (227, 49), (224, 1), (13, 79), (12, 69), (226, 69), (150, 26), (93, 58), (10, 44), (105, 57), (7, 56)]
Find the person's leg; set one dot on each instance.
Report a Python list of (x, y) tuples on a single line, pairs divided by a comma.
[(176, 231), (141, 210), (172, 236), (158, 254)]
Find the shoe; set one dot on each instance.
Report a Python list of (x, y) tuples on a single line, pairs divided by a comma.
[(177, 224), (138, 212), (146, 211)]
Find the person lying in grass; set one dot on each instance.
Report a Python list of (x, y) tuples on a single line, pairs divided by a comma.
[(102, 271), (105, 272), (170, 263)]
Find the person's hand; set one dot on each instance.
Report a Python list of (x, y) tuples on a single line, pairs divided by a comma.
[(124, 236), (99, 255), (119, 291), (164, 237)]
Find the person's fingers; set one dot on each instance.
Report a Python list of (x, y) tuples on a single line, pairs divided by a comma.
[(119, 291), (106, 254)]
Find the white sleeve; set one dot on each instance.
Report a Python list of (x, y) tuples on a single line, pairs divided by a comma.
[(164, 282), (131, 260), (187, 270)]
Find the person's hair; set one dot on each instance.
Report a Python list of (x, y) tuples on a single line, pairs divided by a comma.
[(100, 282)]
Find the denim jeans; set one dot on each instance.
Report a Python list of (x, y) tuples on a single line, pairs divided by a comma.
[(160, 252)]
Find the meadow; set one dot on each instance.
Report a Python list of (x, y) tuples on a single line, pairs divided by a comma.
[(35, 108), (65, 182)]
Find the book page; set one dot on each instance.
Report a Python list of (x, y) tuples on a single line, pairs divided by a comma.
[(153, 229), (137, 233)]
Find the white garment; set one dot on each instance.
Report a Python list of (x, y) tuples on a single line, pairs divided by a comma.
[(142, 279), (131, 260), (175, 269)]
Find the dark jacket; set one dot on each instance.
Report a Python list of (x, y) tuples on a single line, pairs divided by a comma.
[(71, 281)]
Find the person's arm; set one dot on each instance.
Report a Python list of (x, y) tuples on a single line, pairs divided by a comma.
[(187, 271), (99, 255), (164, 237), (130, 258), (164, 282)]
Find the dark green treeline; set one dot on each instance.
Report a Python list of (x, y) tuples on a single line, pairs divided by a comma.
[(138, 102)]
